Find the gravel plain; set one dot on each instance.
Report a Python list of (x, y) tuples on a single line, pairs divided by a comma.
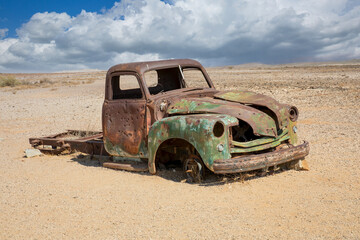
[(68, 197)]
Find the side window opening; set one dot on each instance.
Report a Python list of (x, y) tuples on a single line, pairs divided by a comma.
[(152, 82), (125, 86), (195, 78)]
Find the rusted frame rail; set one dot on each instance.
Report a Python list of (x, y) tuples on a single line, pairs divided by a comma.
[(89, 142)]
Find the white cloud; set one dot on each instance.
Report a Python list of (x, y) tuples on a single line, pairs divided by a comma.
[(3, 32), (214, 32), (132, 57), (44, 27)]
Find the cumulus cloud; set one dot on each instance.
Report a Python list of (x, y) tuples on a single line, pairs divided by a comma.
[(44, 27), (3, 32), (214, 32)]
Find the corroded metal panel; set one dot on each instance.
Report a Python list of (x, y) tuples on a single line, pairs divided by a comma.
[(247, 97), (196, 130), (72, 140), (124, 127), (252, 162), (261, 123)]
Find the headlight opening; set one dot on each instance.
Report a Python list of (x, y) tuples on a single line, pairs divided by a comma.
[(218, 129)]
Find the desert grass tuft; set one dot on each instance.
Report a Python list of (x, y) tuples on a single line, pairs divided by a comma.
[(46, 81), (9, 81)]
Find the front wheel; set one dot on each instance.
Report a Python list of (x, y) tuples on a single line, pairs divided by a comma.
[(194, 169)]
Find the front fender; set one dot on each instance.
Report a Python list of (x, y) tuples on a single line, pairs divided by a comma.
[(196, 129)]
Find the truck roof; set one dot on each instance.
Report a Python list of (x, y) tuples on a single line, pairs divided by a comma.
[(141, 67)]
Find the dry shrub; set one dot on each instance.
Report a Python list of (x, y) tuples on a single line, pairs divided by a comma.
[(46, 81), (9, 81), (90, 81)]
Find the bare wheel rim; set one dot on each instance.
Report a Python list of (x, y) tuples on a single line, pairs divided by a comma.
[(194, 169)]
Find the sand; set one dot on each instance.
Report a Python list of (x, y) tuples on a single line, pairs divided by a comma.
[(67, 197)]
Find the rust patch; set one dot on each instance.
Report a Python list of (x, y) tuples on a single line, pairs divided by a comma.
[(124, 124)]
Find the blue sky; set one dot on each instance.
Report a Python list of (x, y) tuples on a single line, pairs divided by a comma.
[(46, 36), (13, 13)]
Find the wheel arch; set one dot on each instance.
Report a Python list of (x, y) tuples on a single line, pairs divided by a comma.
[(176, 142), (196, 129), (179, 145)]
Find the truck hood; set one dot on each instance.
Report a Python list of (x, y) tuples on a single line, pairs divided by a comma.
[(244, 105), (255, 99)]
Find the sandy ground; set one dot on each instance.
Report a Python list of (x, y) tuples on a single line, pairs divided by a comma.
[(65, 197)]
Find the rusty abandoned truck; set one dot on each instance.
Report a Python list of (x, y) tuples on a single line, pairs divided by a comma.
[(163, 111)]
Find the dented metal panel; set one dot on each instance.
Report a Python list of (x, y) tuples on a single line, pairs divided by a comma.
[(261, 123), (195, 129), (261, 147), (262, 141), (247, 97), (124, 127), (252, 162)]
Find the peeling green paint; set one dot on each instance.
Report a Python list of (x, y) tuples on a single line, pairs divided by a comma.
[(247, 97), (293, 136), (284, 118), (261, 123), (260, 141), (191, 106), (117, 150), (255, 148), (196, 130)]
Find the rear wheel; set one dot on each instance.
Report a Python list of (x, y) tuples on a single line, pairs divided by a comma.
[(194, 169)]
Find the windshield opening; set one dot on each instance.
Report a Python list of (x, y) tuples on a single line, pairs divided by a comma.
[(163, 80)]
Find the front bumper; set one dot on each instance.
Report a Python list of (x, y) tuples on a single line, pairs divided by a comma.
[(260, 161)]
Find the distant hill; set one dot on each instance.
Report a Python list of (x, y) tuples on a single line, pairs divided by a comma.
[(301, 64)]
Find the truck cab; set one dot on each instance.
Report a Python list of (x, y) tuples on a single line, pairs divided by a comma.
[(136, 96)]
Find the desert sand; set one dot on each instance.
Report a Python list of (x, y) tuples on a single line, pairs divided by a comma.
[(68, 197)]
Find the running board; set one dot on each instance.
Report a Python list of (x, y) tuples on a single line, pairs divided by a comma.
[(134, 167)]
